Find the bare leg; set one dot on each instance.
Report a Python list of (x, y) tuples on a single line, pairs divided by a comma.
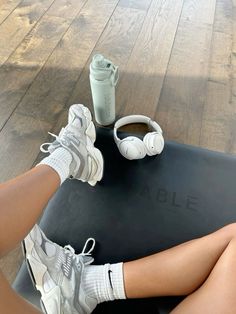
[(179, 270), (22, 201), (11, 303), (217, 294)]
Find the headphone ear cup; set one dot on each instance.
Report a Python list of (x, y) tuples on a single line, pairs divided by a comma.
[(132, 148), (154, 143)]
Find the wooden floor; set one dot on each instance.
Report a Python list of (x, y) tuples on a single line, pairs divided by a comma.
[(177, 62)]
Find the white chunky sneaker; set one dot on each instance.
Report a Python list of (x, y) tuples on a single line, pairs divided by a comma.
[(57, 273), (78, 138)]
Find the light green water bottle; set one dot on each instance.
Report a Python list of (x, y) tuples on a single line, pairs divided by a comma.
[(103, 79)]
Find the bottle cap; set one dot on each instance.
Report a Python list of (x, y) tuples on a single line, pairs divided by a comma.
[(99, 61), (103, 69)]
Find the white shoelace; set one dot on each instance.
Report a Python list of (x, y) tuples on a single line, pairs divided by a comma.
[(68, 249), (61, 139), (67, 255)]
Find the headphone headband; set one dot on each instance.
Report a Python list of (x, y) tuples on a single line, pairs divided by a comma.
[(135, 119)]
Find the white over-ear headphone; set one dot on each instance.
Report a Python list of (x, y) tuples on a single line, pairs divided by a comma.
[(132, 147)]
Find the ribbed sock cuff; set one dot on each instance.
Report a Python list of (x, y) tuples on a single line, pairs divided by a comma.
[(104, 282), (118, 281), (95, 283), (60, 161)]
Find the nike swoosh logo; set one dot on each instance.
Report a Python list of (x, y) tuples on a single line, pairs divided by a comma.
[(109, 276)]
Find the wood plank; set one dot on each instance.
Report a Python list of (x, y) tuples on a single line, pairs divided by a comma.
[(198, 12), (219, 127), (233, 55), (223, 16), (182, 99), (61, 121), (19, 23), (51, 89), (85, 31), (140, 87), (234, 28), (233, 60), (66, 9), (219, 116), (116, 43), (135, 4), (21, 134), (19, 71), (6, 7), (24, 64), (40, 42)]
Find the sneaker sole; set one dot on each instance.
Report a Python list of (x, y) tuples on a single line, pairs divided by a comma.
[(97, 156), (27, 248), (90, 140), (37, 279)]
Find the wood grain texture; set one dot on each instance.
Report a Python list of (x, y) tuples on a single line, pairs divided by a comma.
[(233, 54), (67, 9), (139, 88), (24, 64), (116, 42), (19, 23), (199, 12), (7, 7), (49, 92), (184, 90), (19, 71), (21, 139), (219, 116), (136, 4), (60, 122)]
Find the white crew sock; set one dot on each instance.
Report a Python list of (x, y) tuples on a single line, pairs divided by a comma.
[(60, 161), (105, 282)]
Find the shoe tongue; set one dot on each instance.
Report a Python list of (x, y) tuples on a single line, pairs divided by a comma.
[(50, 249), (76, 123)]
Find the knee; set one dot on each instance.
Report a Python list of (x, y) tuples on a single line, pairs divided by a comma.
[(231, 228), (230, 253), (229, 231)]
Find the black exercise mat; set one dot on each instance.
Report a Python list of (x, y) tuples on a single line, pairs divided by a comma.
[(139, 208)]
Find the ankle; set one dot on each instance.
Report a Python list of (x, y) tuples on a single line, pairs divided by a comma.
[(60, 161), (104, 282)]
